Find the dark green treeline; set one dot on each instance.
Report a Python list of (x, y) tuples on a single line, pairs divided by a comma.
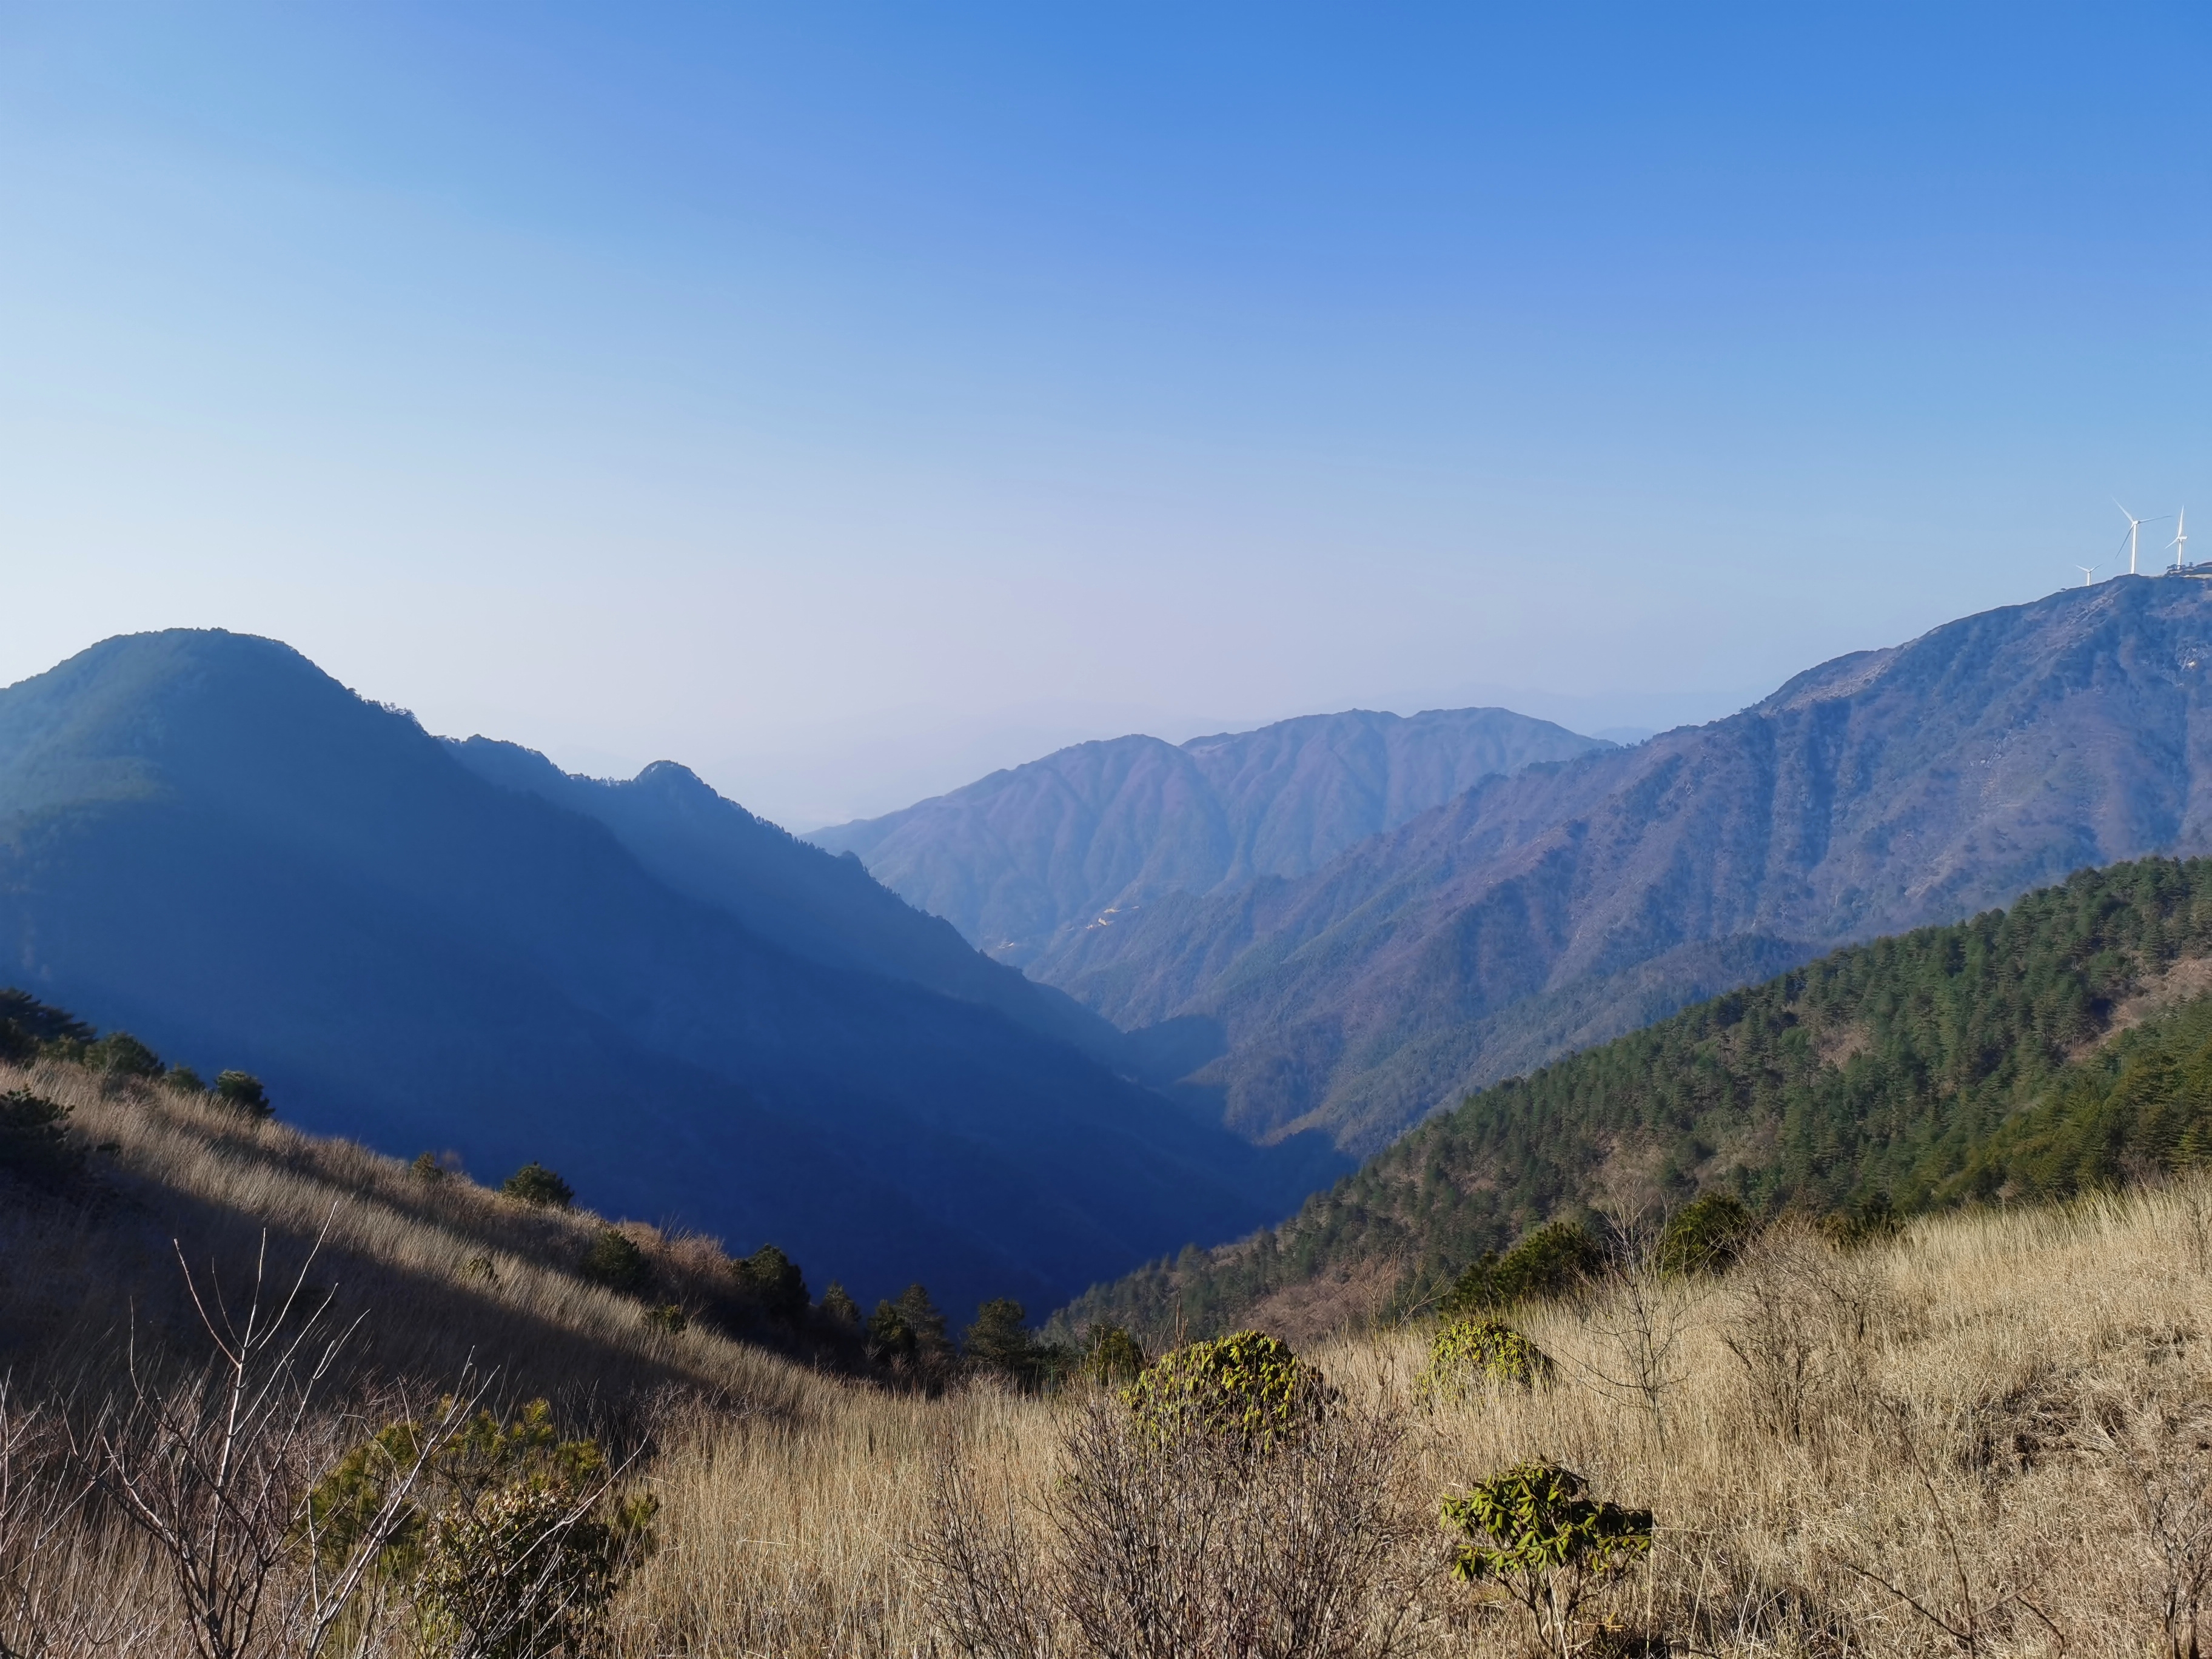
[(1978, 1061)]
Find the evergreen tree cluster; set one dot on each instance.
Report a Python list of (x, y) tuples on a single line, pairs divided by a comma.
[(1998, 1059)]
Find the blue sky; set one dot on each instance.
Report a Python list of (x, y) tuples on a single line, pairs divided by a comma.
[(845, 399)]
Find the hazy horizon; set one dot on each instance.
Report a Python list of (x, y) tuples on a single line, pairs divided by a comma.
[(846, 404)]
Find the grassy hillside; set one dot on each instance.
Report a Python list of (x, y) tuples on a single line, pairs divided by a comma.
[(1985, 1434), (2029, 1054), (446, 1271)]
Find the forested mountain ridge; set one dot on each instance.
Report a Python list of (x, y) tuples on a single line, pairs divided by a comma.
[(2025, 1054), (1567, 903), (208, 842), (1087, 836)]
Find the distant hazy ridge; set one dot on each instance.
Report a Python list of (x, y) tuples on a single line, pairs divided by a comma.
[(1563, 904), (1022, 859)]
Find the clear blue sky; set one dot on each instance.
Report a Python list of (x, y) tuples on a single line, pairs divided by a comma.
[(843, 399)]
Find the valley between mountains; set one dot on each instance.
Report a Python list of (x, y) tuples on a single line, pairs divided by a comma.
[(1023, 1039)]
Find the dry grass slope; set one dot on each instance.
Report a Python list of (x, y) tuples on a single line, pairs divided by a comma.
[(1990, 1435), (1987, 1436)]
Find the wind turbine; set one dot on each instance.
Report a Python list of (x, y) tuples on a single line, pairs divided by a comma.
[(2180, 542), (2135, 527), (2085, 569)]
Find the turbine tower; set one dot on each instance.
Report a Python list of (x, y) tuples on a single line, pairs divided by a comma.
[(2134, 528), (2180, 542), (2085, 569)]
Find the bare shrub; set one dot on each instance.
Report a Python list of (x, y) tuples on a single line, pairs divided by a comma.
[(1798, 1323), (1203, 1543), (983, 1577), (1640, 1316), (2159, 1455), (214, 1470), (1208, 1545), (50, 1556)]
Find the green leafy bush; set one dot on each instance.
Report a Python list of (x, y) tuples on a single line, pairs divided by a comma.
[(668, 1316), (1531, 1530), (184, 1077), (427, 1167), (1553, 1261), (1705, 1235), (837, 1305), (1248, 1389), (1480, 1350), (891, 1341), (512, 1545), (774, 1279), (613, 1259), (909, 1332), (34, 1140), (1112, 1358), (1000, 1341), (533, 1183), (119, 1054), (28, 1025), (242, 1092), (1866, 1222)]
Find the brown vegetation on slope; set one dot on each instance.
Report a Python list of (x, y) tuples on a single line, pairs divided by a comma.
[(1986, 1436)]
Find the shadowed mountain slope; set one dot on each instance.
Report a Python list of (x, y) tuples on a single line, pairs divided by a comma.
[(208, 842), (793, 894), (1084, 837), (1565, 903)]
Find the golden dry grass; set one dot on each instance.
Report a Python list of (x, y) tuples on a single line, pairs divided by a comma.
[(1976, 1438), (1982, 1450), (447, 1272)]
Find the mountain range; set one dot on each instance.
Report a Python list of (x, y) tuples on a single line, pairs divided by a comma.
[(1561, 901), (1028, 859), (206, 841)]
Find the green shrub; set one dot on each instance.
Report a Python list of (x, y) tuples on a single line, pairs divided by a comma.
[(668, 1316), (119, 1054), (1555, 1260), (888, 1339), (1474, 1350), (1248, 1389), (1112, 1358), (512, 1545), (184, 1077), (910, 1331), (1705, 1235), (35, 1145), (613, 1259), (242, 1092), (427, 1167), (28, 1025), (837, 1305), (1000, 1341), (1531, 1530), (533, 1183), (772, 1279), (1868, 1222)]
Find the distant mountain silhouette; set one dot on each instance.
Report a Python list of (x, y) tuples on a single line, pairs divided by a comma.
[(1563, 904), (826, 909), (208, 842), (1085, 838)]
